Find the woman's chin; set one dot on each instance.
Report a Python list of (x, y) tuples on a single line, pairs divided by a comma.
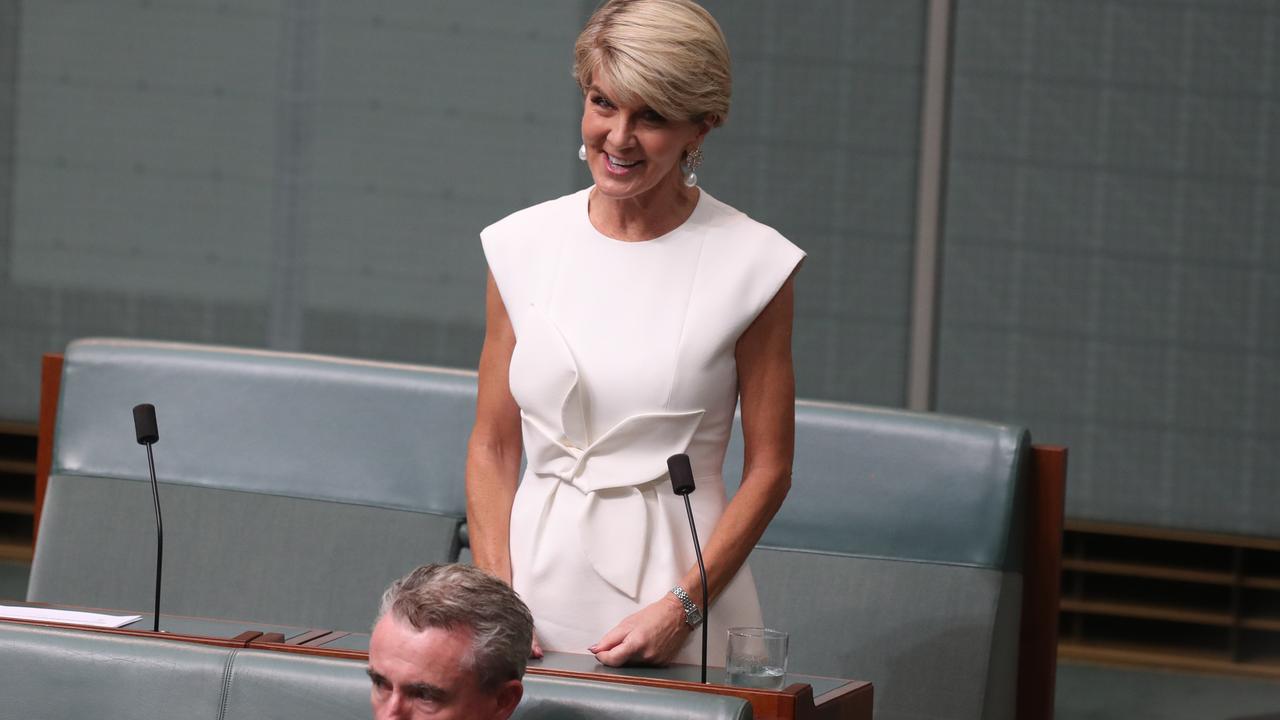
[(618, 187)]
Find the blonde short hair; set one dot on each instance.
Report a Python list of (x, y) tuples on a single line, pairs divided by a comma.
[(668, 54)]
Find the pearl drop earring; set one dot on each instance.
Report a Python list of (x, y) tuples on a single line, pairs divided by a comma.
[(582, 152), (692, 159)]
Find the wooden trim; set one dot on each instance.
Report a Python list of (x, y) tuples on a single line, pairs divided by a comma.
[(314, 650), (1142, 611), (308, 637), (1269, 624), (1151, 532), (14, 427), (1154, 572), (325, 640), (1041, 582), (1199, 662), (235, 642), (1260, 582), (17, 507), (18, 467), (1230, 582), (853, 700), (795, 702), (50, 388), (16, 551)]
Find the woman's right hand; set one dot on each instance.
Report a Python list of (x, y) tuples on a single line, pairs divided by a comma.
[(535, 651)]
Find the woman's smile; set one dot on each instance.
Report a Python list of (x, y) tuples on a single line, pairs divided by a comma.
[(618, 166)]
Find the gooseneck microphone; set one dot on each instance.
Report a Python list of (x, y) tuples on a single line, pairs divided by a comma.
[(144, 424), (682, 484)]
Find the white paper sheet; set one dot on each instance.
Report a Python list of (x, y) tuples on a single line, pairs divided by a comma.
[(18, 612)]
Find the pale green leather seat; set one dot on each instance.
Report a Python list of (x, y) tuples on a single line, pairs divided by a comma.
[(61, 674), (896, 557), (294, 487), (52, 673)]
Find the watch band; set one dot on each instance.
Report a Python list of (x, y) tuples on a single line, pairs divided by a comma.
[(692, 615)]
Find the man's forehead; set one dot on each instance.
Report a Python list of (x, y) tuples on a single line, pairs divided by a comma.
[(396, 626), (430, 655)]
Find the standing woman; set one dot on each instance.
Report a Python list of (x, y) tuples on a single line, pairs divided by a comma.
[(623, 324)]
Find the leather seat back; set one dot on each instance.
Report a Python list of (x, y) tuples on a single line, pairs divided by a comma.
[(896, 557), (294, 487)]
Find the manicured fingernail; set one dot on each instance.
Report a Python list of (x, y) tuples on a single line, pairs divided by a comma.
[(592, 648)]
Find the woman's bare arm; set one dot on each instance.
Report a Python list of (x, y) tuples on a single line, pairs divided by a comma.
[(766, 384), (767, 390), (493, 453)]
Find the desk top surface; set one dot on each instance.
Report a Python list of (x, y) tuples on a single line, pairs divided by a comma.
[(583, 663), (179, 624)]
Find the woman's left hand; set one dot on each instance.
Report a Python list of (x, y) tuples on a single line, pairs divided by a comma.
[(651, 636)]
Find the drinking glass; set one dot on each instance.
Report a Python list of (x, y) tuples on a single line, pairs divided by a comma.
[(756, 658)]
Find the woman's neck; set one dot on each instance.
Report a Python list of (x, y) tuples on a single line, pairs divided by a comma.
[(643, 217)]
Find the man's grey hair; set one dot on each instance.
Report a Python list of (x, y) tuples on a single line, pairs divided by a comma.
[(462, 597)]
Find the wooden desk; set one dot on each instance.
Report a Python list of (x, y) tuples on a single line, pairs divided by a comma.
[(807, 697), (804, 697), (206, 631)]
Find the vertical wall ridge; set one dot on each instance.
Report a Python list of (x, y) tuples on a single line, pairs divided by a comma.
[(295, 109)]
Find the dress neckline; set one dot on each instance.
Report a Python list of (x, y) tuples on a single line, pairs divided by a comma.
[(583, 213)]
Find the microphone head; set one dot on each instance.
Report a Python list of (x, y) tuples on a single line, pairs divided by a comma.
[(681, 474), (144, 423)]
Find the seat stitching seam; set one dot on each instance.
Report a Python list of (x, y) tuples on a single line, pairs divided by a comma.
[(227, 671)]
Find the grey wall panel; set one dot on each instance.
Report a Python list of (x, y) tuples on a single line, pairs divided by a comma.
[(270, 174), (139, 180), (314, 175), (18, 330), (144, 146), (821, 144), (1109, 251), (431, 123)]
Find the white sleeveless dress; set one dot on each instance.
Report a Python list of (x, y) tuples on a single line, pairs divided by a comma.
[(625, 356)]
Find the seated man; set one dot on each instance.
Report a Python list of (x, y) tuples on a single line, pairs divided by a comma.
[(451, 641)]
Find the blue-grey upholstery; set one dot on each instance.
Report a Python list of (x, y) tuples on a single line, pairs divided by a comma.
[(294, 487), (54, 673), (555, 698), (896, 557), (270, 684)]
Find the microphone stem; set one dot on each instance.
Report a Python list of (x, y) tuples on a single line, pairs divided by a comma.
[(702, 572), (155, 496)]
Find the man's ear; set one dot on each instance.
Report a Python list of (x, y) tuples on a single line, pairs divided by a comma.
[(508, 697)]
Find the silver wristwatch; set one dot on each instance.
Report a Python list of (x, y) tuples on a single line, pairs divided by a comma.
[(692, 615)]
